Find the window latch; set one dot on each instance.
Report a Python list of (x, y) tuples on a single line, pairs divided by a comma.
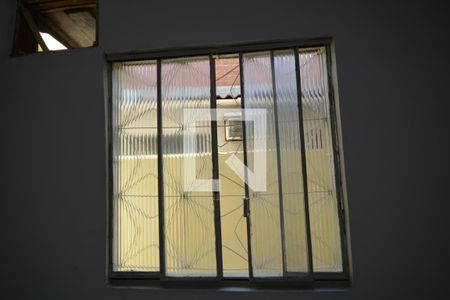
[(246, 207)]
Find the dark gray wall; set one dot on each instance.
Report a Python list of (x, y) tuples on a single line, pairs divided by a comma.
[(393, 64)]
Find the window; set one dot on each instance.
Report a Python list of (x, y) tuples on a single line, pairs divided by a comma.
[(51, 25), (249, 190)]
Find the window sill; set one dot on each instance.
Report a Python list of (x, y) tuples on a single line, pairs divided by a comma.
[(232, 285)]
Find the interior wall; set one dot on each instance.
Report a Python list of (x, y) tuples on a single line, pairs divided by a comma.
[(392, 67)]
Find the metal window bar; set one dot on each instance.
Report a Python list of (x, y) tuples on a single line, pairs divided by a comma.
[(162, 253), (337, 162), (215, 170), (303, 158), (247, 196), (279, 171)]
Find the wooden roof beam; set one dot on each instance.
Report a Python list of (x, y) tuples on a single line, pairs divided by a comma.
[(45, 6)]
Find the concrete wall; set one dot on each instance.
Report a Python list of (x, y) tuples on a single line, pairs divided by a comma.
[(392, 61)]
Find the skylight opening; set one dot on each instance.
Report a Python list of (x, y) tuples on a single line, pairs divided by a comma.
[(52, 43), (50, 25)]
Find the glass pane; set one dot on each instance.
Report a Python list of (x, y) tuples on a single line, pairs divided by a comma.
[(266, 243), (188, 216), (135, 212), (232, 187), (296, 250), (322, 192)]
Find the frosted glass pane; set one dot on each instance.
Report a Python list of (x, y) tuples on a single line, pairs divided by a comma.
[(296, 250), (232, 187), (188, 216), (267, 257), (135, 203), (322, 192)]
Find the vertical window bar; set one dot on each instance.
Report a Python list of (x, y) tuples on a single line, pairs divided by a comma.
[(215, 170), (303, 154), (337, 168), (162, 255), (277, 141), (244, 147), (112, 115)]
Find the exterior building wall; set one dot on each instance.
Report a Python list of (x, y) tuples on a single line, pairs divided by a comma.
[(392, 71)]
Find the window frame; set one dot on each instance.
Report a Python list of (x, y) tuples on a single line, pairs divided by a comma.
[(157, 279)]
